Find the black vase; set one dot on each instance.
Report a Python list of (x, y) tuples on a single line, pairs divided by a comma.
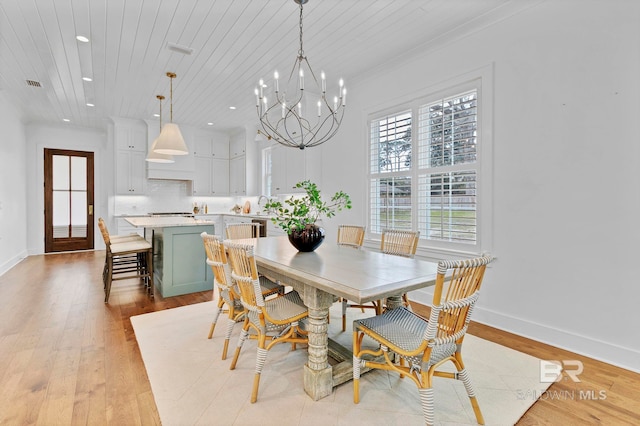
[(307, 239)]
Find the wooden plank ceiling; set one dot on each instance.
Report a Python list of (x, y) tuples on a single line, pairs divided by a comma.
[(234, 42)]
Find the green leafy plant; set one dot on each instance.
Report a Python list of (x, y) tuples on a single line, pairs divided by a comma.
[(298, 212)]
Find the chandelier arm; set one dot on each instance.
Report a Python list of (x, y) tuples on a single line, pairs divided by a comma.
[(335, 125)]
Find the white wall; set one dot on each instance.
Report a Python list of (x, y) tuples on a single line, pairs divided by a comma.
[(566, 168), (41, 136), (13, 198)]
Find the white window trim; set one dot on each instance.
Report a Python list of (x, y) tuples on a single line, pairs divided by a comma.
[(482, 80)]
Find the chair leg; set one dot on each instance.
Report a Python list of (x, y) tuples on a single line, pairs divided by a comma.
[(216, 313), (466, 380), (230, 323), (107, 286), (426, 399), (243, 336), (149, 263), (344, 314), (356, 368), (260, 360)]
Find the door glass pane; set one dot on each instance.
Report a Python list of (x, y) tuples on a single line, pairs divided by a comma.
[(78, 214), (60, 214), (60, 172), (78, 174)]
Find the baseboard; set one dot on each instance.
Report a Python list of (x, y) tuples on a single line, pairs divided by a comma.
[(12, 262), (607, 352)]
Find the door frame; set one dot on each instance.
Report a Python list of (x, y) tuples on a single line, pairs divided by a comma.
[(71, 243)]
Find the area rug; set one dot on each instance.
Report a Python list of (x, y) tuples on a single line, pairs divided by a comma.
[(193, 386)]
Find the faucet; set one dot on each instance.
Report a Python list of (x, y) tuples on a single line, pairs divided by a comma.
[(259, 201)]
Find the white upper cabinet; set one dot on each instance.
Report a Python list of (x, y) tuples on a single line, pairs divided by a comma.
[(291, 165), (130, 142), (212, 165), (237, 145)]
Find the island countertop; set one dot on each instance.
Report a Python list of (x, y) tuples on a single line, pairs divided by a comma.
[(166, 221)]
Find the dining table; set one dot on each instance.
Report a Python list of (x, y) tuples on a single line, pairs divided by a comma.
[(323, 276)]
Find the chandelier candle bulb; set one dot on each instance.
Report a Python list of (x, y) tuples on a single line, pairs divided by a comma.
[(335, 103), (319, 109), (344, 97), (284, 108), (257, 97), (275, 76), (301, 79), (261, 85), (324, 82)]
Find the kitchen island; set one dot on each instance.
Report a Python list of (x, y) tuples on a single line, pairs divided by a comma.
[(179, 259)]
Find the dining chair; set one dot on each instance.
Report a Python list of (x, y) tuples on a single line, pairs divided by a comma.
[(228, 293), (393, 241), (126, 257), (237, 231), (419, 346), (273, 321), (400, 243), (353, 236)]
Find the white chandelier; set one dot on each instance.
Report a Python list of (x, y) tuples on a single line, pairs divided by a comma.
[(300, 117)]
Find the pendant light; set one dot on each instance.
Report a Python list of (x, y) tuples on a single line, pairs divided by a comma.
[(153, 156), (170, 140)]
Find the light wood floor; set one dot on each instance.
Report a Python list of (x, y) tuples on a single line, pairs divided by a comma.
[(67, 358)]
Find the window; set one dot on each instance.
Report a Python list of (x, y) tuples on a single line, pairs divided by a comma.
[(429, 182)]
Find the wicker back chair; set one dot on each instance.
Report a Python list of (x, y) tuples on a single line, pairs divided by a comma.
[(127, 256), (421, 346), (275, 320), (351, 235), (229, 293), (236, 231), (217, 260), (401, 243)]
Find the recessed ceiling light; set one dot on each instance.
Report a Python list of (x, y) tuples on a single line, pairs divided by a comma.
[(66, 120), (90, 104), (232, 107), (156, 115), (209, 124), (87, 78), (82, 39)]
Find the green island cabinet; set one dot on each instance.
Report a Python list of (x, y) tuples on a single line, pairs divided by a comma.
[(179, 259)]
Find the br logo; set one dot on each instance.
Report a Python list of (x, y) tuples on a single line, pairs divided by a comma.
[(551, 370)]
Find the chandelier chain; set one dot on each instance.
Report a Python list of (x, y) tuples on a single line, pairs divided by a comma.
[(301, 51)]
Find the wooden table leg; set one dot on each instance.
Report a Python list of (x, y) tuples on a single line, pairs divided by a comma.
[(318, 374)]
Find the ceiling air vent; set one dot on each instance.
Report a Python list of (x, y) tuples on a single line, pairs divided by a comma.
[(33, 83), (185, 50)]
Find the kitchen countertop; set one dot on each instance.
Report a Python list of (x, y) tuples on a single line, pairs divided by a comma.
[(165, 221)]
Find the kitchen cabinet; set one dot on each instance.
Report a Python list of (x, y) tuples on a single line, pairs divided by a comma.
[(130, 137), (212, 166), (211, 176), (237, 176), (290, 166), (237, 145), (131, 150)]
